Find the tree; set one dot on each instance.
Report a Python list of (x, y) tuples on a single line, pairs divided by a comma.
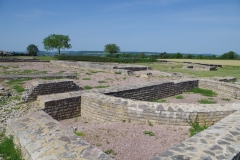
[(56, 41), (229, 55), (32, 50), (111, 48)]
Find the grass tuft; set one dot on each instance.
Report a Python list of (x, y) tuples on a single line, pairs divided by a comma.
[(87, 87), (206, 101), (179, 97), (204, 92), (149, 133), (80, 134)]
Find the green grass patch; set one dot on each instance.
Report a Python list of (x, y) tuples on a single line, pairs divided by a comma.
[(206, 101), (18, 88), (204, 92), (158, 100), (179, 97), (60, 72), (48, 58), (88, 73), (80, 134), (87, 87), (149, 133), (101, 86), (86, 78), (118, 72), (7, 149), (225, 99), (110, 151), (102, 81), (4, 67), (150, 123)]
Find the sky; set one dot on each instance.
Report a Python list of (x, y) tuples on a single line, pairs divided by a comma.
[(185, 26)]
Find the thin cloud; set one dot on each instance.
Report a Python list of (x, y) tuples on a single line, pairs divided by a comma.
[(35, 15)]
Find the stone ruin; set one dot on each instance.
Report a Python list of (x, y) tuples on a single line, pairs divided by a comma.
[(39, 136)]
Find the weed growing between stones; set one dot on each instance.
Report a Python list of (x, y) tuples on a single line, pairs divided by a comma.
[(195, 127), (7, 149), (80, 134), (149, 133), (204, 92), (206, 101), (110, 151), (158, 100)]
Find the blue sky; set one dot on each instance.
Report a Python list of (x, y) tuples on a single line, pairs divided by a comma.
[(185, 26)]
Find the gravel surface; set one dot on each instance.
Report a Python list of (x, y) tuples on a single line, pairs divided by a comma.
[(127, 139)]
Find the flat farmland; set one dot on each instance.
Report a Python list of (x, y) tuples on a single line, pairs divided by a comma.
[(220, 62)]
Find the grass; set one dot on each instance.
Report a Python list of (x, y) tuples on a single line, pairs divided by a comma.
[(110, 151), (220, 62), (101, 86), (118, 72), (7, 149), (87, 87), (179, 97), (18, 88), (86, 78), (88, 73), (206, 101), (225, 99), (60, 72), (204, 92), (149, 133), (158, 100), (230, 71), (102, 81), (46, 58), (150, 123), (195, 127), (80, 134)]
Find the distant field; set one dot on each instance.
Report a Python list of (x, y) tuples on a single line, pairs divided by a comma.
[(220, 62)]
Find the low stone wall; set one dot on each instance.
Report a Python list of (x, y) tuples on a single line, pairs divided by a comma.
[(220, 141), (201, 67), (62, 105), (40, 137), (35, 76), (226, 89), (109, 109), (155, 90), (48, 87), (101, 66)]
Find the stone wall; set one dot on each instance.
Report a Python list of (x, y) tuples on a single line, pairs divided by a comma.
[(48, 87), (34, 76), (62, 105), (154, 91), (111, 67), (109, 109), (220, 142), (40, 137), (226, 89)]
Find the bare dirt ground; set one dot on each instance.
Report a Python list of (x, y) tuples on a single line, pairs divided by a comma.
[(125, 140)]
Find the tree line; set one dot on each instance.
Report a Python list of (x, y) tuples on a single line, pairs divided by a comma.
[(56, 41)]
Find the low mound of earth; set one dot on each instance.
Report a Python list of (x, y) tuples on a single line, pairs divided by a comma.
[(128, 140)]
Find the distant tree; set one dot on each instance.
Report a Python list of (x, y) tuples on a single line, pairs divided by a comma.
[(178, 55), (56, 41), (142, 55), (189, 56), (111, 48), (229, 55), (32, 50)]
